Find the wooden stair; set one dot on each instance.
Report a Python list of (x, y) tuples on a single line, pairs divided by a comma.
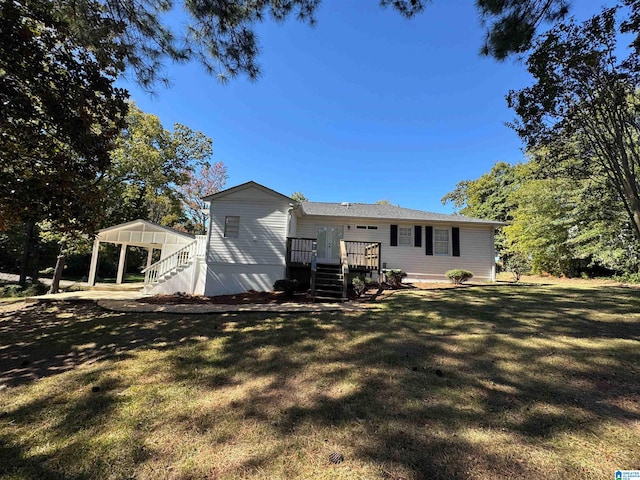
[(328, 283)]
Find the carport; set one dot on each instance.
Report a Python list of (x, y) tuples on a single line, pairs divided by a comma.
[(138, 233)]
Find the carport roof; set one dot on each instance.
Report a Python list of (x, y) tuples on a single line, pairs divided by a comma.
[(143, 233)]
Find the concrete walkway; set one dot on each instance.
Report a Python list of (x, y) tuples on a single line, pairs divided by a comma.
[(95, 295), (125, 301), (122, 298), (129, 306)]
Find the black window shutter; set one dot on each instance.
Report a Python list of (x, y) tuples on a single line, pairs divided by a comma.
[(417, 237), (394, 235), (455, 240), (428, 237)]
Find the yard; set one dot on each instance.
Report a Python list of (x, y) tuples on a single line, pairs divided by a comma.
[(531, 382)]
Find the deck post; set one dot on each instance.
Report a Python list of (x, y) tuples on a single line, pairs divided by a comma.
[(287, 260)]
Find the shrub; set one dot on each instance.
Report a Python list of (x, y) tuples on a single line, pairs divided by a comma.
[(31, 290), (35, 289), (518, 264), (359, 285), (394, 278), (459, 276), (47, 271), (287, 286), (627, 278), (11, 291)]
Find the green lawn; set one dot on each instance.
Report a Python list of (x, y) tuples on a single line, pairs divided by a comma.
[(494, 382)]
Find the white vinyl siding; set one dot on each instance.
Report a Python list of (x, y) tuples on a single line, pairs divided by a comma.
[(476, 247), (405, 236), (441, 241), (262, 230)]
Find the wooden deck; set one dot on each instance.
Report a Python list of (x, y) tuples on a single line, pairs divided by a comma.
[(355, 255)]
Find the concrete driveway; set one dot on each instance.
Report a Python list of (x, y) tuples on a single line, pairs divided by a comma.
[(101, 291)]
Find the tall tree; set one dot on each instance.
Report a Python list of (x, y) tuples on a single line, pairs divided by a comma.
[(149, 162), (205, 181), (584, 94), (512, 24), (60, 116), (220, 34), (541, 225), (490, 197)]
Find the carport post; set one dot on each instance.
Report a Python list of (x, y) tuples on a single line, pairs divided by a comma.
[(149, 256), (94, 262), (121, 262)]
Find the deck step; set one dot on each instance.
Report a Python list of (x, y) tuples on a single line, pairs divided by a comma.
[(331, 299), (329, 283)]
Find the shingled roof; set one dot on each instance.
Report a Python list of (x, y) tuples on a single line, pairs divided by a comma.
[(386, 212)]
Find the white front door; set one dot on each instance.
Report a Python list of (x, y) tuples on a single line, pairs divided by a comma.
[(329, 243)]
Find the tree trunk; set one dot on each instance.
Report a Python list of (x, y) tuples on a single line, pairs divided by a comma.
[(26, 252), (57, 274), (636, 219)]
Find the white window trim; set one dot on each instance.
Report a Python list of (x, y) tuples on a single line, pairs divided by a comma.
[(449, 246), (409, 237)]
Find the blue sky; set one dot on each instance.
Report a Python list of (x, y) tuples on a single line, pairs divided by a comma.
[(365, 106)]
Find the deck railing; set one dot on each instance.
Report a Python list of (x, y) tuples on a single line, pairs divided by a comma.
[(299, 251), (363, 255), (359, 255)]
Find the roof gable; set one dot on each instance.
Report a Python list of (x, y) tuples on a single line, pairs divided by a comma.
[(147, 226), (244, 186)]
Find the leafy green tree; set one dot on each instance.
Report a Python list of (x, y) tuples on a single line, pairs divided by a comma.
[(299, 197), (512, 24), (68, 242), (602, 235), (583, 94), (541, 225), (149, 164), (60, 116), (490, 197), (518, 263)]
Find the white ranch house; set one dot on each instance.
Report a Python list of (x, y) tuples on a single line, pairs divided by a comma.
[(257, 236)]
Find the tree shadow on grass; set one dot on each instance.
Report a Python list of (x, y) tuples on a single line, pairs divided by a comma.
[(426, 386), (529, 310)]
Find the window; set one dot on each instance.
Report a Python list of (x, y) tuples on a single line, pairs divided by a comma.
[(404, 235), (372, 227), (231, 227), (441, 241), (367, 227), (361, 227)]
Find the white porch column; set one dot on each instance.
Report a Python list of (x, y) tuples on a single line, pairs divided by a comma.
[(149, 256), (94, 262), (121, 261)]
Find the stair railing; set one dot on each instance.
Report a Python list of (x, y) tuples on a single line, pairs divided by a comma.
[(201, 247), (314, 267), (344, 263), (179, 258)]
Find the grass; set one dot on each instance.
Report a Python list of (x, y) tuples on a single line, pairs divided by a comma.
[(126, 278), (532, 382)]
